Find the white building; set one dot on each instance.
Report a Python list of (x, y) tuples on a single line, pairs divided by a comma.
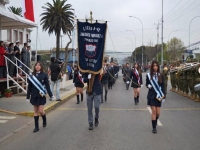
[(13, 35)]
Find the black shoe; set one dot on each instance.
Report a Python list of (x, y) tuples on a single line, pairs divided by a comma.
[(36, 130), (58, 100), (105, 99), (44, 121), (135, 101), (90, 126), (154, 130), (78, 102), (96, 122)]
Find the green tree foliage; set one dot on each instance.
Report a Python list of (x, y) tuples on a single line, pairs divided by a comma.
[(58, 17), (175, 49), (15, 10)]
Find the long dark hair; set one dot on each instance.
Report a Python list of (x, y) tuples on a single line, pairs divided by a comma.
[(158, 71), (138, 68), (1, 42), (41, 70)]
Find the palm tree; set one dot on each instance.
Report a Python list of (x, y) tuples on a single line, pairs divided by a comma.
[(14, 10), (58, 16)]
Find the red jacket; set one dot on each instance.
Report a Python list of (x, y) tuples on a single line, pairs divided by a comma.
[(2, 59)]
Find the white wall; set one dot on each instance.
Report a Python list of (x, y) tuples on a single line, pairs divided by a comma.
[(25, 31)]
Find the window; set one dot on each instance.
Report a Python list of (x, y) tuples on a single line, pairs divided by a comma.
[(21, 37), (27, 38), (9, 35), (15, 37)]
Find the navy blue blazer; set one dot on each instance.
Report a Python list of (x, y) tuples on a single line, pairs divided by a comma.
[(152, 93), (34, 92), (97, 89), (134, 78)]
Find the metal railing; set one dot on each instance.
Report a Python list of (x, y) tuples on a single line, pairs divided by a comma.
[(16, 82)]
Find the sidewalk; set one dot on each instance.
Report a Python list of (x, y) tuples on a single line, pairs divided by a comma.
[(17, 104)]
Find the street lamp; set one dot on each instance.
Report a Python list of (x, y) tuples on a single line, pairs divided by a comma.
[(135, 42), (189, 29), (132, 47), (142, 35)]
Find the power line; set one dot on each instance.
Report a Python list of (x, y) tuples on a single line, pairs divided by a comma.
[(172, 9), (181, 15), (177, 11)]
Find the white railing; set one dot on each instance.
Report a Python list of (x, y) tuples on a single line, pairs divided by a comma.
[(18, 76)]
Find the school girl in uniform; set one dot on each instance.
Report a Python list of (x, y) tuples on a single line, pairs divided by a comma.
[(136, 76), (35, 97), (155, 104), (79, 84)]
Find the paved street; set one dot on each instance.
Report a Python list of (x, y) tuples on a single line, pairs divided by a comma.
[(123, 126)]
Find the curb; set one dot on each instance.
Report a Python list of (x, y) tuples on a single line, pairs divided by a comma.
[(8, 112), (53, 105)]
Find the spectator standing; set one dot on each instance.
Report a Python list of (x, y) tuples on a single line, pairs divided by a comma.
[(26, 57), (2, 60), (55, 72), (11, 66), (17, 54), (69, 71)]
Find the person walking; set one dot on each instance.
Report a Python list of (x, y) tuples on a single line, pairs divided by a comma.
[(127, 73), (55, 73), (93, 94), (34, 96), (111, 78), (155, 82), (136, 77), (104, 81), (79, 84)]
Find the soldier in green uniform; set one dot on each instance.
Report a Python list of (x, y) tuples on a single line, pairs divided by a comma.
[(178, 78), (191, 81), (197, 81), (185, 83), (165, 75), (173, 77)]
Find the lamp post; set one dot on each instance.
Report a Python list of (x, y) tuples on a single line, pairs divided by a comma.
[(135, 42), (142, 35), (189, 28), (132, 47)]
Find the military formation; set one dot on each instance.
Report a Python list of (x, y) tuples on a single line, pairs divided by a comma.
[(184, 77)]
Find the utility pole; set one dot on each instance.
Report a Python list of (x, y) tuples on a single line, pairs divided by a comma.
[(162, 38), (157, 38)]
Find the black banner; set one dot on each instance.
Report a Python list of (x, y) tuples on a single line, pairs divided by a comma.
[(91, 43)]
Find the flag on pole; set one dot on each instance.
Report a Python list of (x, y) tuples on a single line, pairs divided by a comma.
[(27, 10)]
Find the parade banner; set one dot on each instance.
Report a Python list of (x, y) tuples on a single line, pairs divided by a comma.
[(91, 44)]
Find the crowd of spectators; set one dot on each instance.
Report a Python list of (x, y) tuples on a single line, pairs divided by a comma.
[(12, 51)]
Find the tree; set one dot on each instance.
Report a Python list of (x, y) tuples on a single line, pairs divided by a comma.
[(175, 49), (56, 18), (16, 11)]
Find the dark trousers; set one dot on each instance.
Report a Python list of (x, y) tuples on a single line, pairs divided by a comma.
[(3, 72), (11, 69)]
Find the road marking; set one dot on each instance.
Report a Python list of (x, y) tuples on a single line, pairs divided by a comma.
[(7, 117), (3, 121), (136, 109), (159, 123), (144, 109)]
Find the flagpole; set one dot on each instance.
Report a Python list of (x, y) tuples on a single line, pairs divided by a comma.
[(36, 45)]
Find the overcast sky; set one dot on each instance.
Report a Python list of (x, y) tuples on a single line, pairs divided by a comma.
[(177, 16)]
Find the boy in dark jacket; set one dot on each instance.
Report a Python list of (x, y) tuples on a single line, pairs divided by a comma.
[(93, 92)]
